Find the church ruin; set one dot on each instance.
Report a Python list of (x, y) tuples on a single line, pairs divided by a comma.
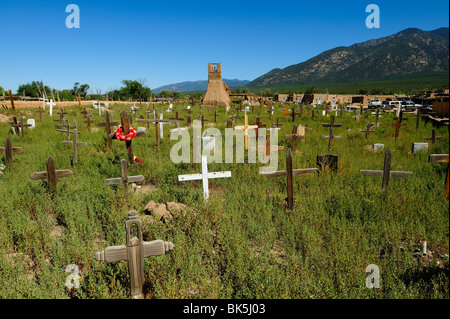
[(217, 93)]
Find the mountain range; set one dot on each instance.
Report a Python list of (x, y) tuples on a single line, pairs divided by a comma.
[(407, 54), (200, 85)]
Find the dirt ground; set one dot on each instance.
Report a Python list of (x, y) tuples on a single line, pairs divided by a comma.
[(35, 104)]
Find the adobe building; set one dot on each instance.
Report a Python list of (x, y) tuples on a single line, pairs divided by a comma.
[(217, 92)]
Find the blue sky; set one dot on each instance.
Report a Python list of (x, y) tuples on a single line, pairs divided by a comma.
[(166, 42)]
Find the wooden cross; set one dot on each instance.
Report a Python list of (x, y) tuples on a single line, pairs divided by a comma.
[(293, 113), (276, 125), (134, 251), (400, 116), (158, 123), (267, 149), (51, 173), (134, 109), (442, 158), (15, 125), (433, 137), (377, 116), (107, 124), (40, 113), (125, 179), (397, 126), (330, 136), (20, 125), (12, 98), (203, 120), (51, 104), (418, 116), (259, 124), (286, 112), (296, 135), (386, 173), (61, 116), (204, 176), (245, 128), (367, 130), (68, 131), (75, 144), (289, 172), (88, 121), (43, 99), (79, 99), (9, 150), (125, 130), (176, 118)]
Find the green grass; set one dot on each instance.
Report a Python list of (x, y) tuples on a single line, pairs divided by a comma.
[(243, 243)]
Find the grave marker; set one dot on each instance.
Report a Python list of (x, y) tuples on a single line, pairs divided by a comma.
[(88, 121), (418, 147), (204, 176), (51, 104), (298, 133), (125, 179), (397, 126), (267, 149), (9, 150), (328, 161), (134, 251), (289, 172), (330, 136), (51, 173), (367, 130), (245, 127), (107, 124), (12, 98), (433, 137), (75, 144), (386, 173)]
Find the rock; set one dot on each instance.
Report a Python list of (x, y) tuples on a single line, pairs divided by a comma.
[(175, 208), (150, 206), (56, 232)]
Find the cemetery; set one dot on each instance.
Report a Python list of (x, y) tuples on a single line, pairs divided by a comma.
[(206, 228)]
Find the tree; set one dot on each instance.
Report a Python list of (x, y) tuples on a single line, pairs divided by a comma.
[(81, 89)]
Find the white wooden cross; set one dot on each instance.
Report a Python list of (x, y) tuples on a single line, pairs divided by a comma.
[(179, 129), (97, 106), (161, 135), (204, 176), (43, 99), (51, 104), (170, 108)]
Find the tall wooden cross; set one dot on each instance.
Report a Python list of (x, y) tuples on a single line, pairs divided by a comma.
[(134, 251), (51, 173), (289, 172), (75, 144), (296, 135), (12, 98), (51, 104), (88, 121), (442, 158), (259, 125), (176, 118), (126, 129), (125, 179), (293, 113), (245, 127), (203, 120), (433, 137), (9, 150), (107, 124), (204, 176), (397, 125), (330, 136), (15, 125), (367, 130), (43, 99), (61, 116), (40, 113), (386, 173), (158, 124), (286, 112)]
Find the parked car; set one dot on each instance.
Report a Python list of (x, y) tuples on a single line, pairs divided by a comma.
[(396, 104), (374, 103), (410, 104), (427, 108)]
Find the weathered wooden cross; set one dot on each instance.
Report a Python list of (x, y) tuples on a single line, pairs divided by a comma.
[(367, 130), (126, 129), (51, 173), (9, 150), (298, 133), (125, 179), (40, 113), (433, 137), (12, 98), (21, 125), (204, 176), (68, 131), (289, 172), (442, 158), (107, 124), (397, 125), (134, 251), (79, 99), (75, 144), (386, 173), (245, 127), (158, 125), (293, 113), (286, 112), (330, 136), (88, 121), (61, 116), (176, 118), (267, 149), (259, 125)]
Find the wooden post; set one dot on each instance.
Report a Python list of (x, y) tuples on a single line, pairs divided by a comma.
[(12, 98), (289, 172), (51, 173), (442, 158), (386, 173), (9, 150), (107, 124), (134, 252), (125, 179)]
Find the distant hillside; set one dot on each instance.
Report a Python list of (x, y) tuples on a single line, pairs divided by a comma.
[(407, 54), (200, 85)]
